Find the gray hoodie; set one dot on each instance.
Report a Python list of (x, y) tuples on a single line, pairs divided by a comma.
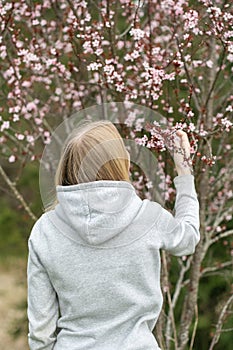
[(94, 265)]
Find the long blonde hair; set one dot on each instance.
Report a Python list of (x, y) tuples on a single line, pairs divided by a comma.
[(94, 151)]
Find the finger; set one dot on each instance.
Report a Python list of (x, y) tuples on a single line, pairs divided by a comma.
[(181, 133), (184, 140)]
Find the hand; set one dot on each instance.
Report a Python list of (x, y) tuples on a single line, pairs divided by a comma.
[(181, 154)]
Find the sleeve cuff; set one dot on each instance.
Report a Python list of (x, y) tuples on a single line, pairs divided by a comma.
[(184, 184)]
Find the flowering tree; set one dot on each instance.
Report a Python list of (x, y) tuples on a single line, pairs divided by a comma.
[(173, 56)]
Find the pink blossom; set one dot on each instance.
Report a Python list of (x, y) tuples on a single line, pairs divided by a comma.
[(30, 139), (3, 52), (94, 66), (20, 137), (130, 119), (5, 125), (137, 33), (47, 138), (11, 159), (58, 91), (191, 21), (38, 121), (228, 217), (227, 124), (31, 106), (142, 141), (209, 64), (139, 124)]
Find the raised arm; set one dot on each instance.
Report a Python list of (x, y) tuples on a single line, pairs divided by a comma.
[(180, 232)]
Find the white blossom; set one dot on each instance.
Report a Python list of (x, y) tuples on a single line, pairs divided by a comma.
[(137, 33)]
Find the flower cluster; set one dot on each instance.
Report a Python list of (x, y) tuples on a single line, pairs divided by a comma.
[(60, 59)]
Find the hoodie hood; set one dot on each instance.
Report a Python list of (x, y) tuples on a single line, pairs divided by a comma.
[(96, 213)]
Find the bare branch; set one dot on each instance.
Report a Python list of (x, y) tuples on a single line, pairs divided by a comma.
[(216, 77), (220, 322), (220, 216), (18, 196), (210, 269), (194, 328), (190, 301), (179, 286), (222, 235), (171, 311)]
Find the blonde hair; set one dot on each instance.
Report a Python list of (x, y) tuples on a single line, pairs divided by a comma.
[(94, 151)]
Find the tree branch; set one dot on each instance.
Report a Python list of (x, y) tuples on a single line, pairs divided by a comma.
[(18, 196), (222, 235), (220, 322), (171, 313), (194, 328), (179, 286), (210, 269)]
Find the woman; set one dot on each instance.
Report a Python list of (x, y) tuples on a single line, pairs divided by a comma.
[(94, 261)]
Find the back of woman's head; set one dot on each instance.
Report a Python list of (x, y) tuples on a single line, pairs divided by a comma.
[(94, 151)]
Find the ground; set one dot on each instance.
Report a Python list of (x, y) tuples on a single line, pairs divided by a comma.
[(12, 305)]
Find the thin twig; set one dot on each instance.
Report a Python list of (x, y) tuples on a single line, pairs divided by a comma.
[(17, 194), (178, 288), (216, 268), (194, 328), (220, 322), (222, 235), (164, 260)]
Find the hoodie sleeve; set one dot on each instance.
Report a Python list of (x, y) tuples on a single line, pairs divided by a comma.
[(180, 233), (42, 304)]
